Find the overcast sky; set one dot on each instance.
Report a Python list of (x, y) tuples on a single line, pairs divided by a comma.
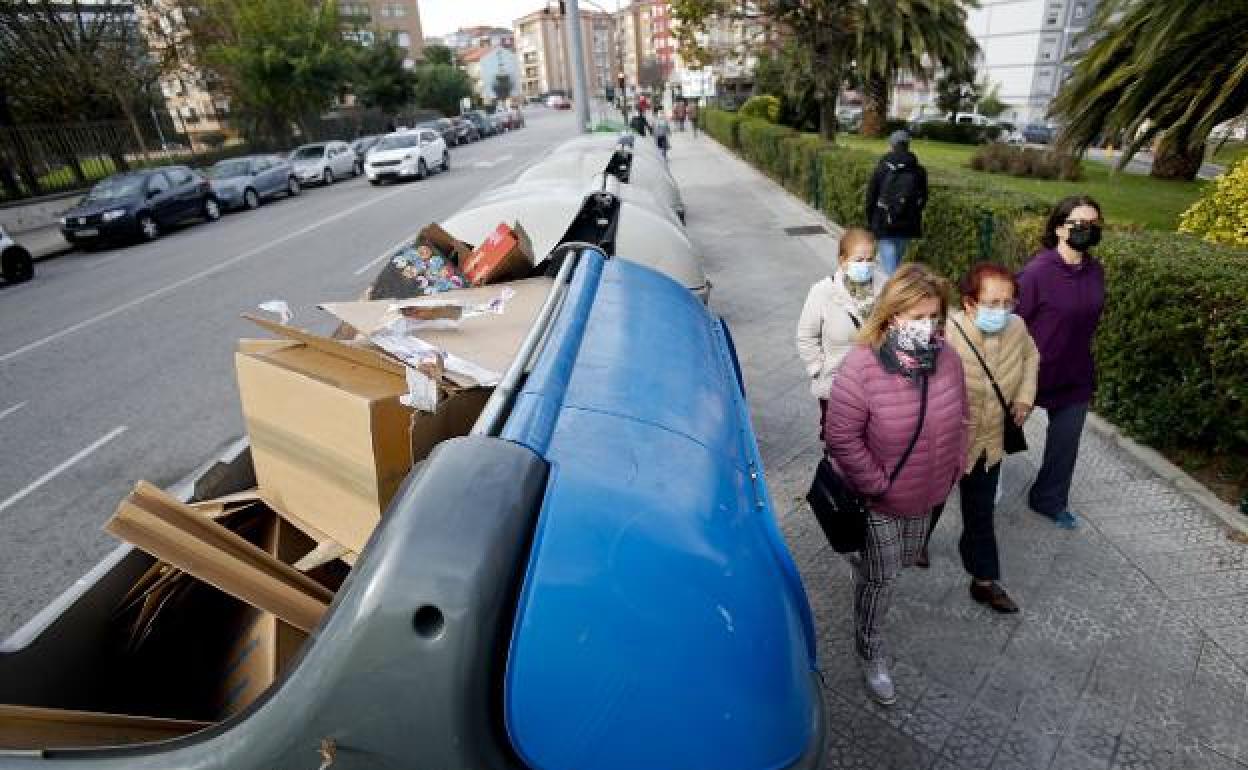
[(438, 17)]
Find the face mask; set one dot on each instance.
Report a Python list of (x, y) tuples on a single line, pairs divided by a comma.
[(991, 320), (1083, 238), (859, 272), (915, 335)]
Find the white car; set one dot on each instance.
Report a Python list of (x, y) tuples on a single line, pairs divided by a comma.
[(405, 155), (324, 162), (15, 262)]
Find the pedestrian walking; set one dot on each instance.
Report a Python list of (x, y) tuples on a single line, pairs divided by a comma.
[(692, 112), (678, 115), (662, 131), (1061, 296), (835, 309), (896, 197), (643, 104), (896, 433), (1000, 363), (639, 124)]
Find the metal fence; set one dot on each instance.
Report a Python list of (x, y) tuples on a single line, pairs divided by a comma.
[(50, 159)]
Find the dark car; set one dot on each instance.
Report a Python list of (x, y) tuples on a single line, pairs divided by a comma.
[(465, 130), (245, 182), (445, 127), (1037, 133), (481, 122), (140, 204), (362, 145)]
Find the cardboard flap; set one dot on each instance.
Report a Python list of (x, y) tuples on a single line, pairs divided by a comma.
[(178, 534), (362, 356), (490, 341), (31, 728)]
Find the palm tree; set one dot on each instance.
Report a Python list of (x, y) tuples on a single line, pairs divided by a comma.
[(1163, 72), (915, 36)]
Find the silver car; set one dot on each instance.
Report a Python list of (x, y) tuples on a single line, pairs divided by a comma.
[(245, 182), (324, 162)]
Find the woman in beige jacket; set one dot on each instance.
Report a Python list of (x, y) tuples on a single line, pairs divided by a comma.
[(835, 308), (987, 323)]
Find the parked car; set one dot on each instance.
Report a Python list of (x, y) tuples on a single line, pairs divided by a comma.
[(465, 130), (363, 144), (407, 154), (324, 162), (1037, 133), (16, 264), (140, 204), (445, 128), (485, 127), (558, 102), (245, 182)]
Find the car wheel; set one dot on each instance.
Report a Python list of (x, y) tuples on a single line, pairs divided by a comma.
[(327, 177), (149, 228), (250, 199), (212, 209), (292, 187), (16, 265), (375, 182), (446, 161), (422, 170)]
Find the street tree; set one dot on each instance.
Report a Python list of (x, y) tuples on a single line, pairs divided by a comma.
[(379, 79), (1159, 72), (914, 36), (957, 91), (990, 104), (439, 54), (441, 87), (503, 86)]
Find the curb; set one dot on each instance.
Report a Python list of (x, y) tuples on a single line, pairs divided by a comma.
[(1169, 472)]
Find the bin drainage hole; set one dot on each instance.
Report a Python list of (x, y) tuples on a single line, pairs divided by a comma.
[(428, 621)]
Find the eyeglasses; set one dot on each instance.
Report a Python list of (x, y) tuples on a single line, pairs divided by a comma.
[(1081, 222), (1000, 304)]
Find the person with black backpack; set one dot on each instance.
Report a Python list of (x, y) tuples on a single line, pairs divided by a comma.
[(896, 196)]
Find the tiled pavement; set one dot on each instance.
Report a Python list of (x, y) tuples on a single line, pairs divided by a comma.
[(1132, 647)]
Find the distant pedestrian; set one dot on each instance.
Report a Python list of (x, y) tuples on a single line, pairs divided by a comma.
[(834, 312), (1000, 362), (896, 196), (1061, 296), (679, 114), (662, 132), (643, 104), (692, 112), (897, 408), (639, 124)]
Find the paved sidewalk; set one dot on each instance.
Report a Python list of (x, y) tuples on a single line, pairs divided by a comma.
[(1132, 647)]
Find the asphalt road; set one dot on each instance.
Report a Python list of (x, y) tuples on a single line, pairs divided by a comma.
[(118, 365)]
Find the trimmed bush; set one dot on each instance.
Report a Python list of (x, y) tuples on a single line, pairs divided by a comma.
[(999, 158), (1173, 346), (762, 107), (721, 126), (1221, 214)]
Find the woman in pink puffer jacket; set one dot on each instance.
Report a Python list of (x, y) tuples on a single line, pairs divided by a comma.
[(873, 411)]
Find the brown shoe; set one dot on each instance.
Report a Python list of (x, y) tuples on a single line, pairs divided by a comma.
[(994, 596), (921, 560)]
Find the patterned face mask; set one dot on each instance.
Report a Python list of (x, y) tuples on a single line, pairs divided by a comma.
[(911, 346)]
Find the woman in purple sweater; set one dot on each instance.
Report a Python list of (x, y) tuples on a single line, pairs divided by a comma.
[(873, 411), (1061, 296)]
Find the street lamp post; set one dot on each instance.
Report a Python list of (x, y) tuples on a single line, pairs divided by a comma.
[(580, 91)]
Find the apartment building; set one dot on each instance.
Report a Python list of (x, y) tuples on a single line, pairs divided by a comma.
[(545, 55), (647, 52), (466, 38), (398, 20), (485, 64)]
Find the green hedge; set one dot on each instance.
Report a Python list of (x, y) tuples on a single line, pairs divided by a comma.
[(1172, 350)]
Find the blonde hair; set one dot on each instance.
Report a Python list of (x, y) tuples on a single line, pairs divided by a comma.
[(909, 286), (851, 238)]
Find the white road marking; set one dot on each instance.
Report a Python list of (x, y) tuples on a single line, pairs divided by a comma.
[(373, 262), (11, 410), (45, 478), (491, 163), (217, 268)]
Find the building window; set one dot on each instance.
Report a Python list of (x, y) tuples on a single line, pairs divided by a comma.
[(1080, 10), (393, 11), (408, 64), (401, 39)]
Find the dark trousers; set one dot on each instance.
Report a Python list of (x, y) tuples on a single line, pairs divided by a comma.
[(978, 544), (823, 415), (1050, 492)]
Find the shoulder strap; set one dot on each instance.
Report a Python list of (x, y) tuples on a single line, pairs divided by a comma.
[(915, 438), (1000, 396), (854, 319)]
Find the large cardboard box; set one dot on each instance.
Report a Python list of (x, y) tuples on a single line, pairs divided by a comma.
[(330, 440)]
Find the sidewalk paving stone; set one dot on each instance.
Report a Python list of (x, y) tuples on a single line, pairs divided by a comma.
[(1132, 647)]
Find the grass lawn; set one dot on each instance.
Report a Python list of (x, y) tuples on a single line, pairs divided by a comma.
[(1230, 152), (1154, 204)]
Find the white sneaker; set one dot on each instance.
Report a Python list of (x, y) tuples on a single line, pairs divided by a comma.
[(879, 683)]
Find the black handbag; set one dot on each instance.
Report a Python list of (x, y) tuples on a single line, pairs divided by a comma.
[(1015, 439), (839, 509)]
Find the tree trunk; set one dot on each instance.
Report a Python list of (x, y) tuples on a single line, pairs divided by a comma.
[(128, 110), (874, 106), (1177, 162)]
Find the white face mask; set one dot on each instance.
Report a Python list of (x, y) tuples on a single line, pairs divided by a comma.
[(859, 272)]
